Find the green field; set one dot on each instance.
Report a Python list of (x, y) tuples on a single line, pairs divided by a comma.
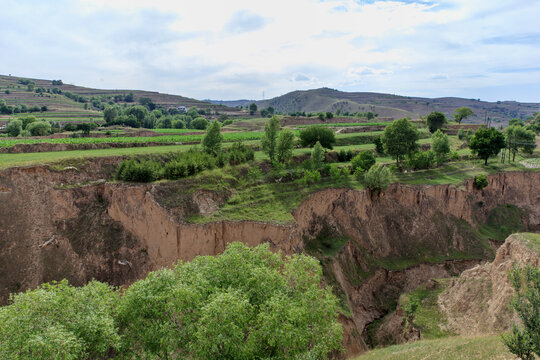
[(452, 348)]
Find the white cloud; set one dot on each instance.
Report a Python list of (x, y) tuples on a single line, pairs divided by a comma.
[(239, 48)]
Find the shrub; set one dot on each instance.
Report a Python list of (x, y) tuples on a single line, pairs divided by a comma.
[(421, 160), (240, 153), (377, 178), (335, 172), (312, 134), (59, 321), (285, 146), (178, 124), (435, 121), (441, 145), (310, 176), (232, 306), (14, 127), (199, 123), (39, 128), (480, 182), (255, 173), (133, 170), (345, 155), (363, 161), (175, 169)]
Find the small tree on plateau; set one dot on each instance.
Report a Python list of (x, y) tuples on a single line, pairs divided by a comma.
[(285, 145), (441, 145), (213, 138), (462, 113), (399, 139), (269, 140), (486, 143), (317, 155), (252, 108), (435, 121)]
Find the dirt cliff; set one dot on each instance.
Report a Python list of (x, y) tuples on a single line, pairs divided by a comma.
[(478, 301), (71, 223)]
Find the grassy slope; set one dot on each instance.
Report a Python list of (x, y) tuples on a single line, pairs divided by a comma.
[(452, 348)]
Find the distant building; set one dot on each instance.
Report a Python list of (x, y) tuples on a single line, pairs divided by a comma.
[(182, 108)]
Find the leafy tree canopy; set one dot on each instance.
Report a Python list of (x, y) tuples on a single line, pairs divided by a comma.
[(435, 121), (400, 138), (462, 113), (486, 143)]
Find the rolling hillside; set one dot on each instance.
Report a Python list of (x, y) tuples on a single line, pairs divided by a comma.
[(62, 108), (326, 99)]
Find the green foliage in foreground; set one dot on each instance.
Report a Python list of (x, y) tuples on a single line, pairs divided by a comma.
[(247, 303), (377, 178), (525, 342)]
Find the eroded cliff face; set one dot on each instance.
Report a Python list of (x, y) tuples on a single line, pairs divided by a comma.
[(73, 224), (478, 302)]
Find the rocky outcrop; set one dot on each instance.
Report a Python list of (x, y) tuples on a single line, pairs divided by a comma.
[(478, 302)]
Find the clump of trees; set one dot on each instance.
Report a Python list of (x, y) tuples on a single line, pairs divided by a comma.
[(313, 134), (247, 303), (519, 138)]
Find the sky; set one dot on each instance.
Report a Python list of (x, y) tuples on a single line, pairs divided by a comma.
[(250, 49)]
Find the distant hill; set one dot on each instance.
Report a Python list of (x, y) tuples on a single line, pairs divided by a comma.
[(325, 99), (59, 106), (231, 103)]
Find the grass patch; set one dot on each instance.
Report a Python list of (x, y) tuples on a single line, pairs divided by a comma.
[(452, 348), (502, 221), (531, 240), (428, 317)]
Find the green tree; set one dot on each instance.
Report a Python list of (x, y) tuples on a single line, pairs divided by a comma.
[(317, 156), (399, 139), (110, 113), (39, 128), (435, 121), (247, 303), (139, 111), (213, 138), (519, 138), (285, 146), (27, 120), (269, 140), (516, 121), (313, 134), (377, 178), (59, 321), (14, 127), (487, 142), (462, 113), (199, 123), (440, 143), (525, 342), (363, 161), (252, 108)]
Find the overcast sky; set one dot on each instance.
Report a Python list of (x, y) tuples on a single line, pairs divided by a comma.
[(232, 49)]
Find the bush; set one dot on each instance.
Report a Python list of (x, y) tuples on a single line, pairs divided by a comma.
[(14, 127), (59, 321), (240, 153), (480, 182), (345, 155), (133, 170), (435, 121), (232, 306), (312, 134), (363, 161), (255, 173), (213, 138), (40, 128), (178, 124), (175, 170), (310, 176), (377, 178), (421, 160), (199, 123)]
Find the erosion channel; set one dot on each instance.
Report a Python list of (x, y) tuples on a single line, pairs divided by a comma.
[(74, 223)]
